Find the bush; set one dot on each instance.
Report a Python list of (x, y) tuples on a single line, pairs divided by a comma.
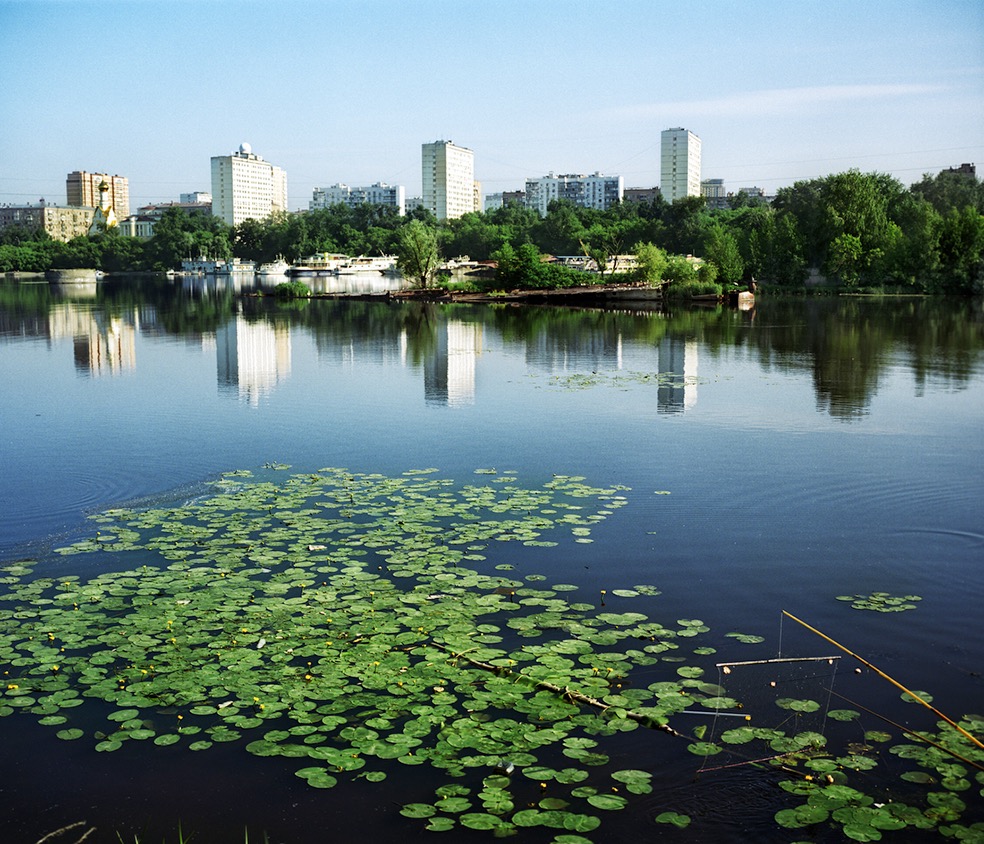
[(292, 290), (525, 269), (690, 288)]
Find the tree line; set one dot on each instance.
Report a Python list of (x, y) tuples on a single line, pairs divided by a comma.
[(857, 230)]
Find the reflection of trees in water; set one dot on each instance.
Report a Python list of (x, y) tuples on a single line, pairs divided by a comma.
[(374, 330), (845, 343)]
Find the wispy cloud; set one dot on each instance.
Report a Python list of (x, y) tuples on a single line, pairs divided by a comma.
[(773, 101)]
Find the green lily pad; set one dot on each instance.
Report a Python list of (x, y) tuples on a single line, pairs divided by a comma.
[(70, 734), (674, 818)]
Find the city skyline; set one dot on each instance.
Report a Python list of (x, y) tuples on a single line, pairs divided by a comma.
[(776, 92)]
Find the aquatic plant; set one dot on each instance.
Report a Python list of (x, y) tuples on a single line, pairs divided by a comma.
[(881, 602), (293, 289), (356, 623)]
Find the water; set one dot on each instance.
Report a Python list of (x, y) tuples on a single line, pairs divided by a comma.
[(810, 449)]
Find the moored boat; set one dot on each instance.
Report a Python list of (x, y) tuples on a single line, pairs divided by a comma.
[(278, 267), (321, 263), (365, 264)]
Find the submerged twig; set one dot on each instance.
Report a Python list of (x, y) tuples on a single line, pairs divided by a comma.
[(51, 835)]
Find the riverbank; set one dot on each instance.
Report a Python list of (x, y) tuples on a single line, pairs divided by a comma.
[(593, 293)]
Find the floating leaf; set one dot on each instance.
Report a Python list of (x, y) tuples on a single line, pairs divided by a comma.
[(798, 705), (703, 748), (746, 638), (674, 818), (843, 714), (440, 824), (70, 734), (608, 801)]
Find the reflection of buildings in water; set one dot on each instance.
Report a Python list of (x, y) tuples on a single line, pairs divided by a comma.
[(252, 357), (678, 374), (362, 283), (214, 284), (449, 373), (556, 354), (102, 344)]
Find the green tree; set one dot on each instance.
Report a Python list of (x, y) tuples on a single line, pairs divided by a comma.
[(679, 270), (947, 191), (844, 258), (560, 231), (179, 235), (120, 253), (417, 253), (603, 244), (650, 263), (687, 223), (79, 253), (248, 240), (721, 249), (961, 239)]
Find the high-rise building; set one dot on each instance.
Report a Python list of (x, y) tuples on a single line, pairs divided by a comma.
[(596, 191), (82, 189), (679, 172), (245, 186), (448, 173), (714, 192), (393, 196)]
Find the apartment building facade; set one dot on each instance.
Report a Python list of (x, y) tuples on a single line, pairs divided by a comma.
[(393, 196), (82, 191), (448, 179), (594, 191), (246, 186), (679, 172)]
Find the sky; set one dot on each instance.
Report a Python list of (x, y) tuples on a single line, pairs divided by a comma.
[(348, 90)]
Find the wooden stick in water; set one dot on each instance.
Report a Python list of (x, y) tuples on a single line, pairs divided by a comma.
[(885, 676)]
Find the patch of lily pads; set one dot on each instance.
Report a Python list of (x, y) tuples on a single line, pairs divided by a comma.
[(359, 624), (622, 380), (881, 602)]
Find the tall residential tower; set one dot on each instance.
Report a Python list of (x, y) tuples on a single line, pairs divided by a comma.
[(82, 189), (244, 186), (679, 172), (448, 173)]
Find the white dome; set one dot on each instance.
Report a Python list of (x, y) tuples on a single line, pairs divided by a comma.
[(245, 148)]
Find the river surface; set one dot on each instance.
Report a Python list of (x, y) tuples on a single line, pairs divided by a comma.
[(775, 459)]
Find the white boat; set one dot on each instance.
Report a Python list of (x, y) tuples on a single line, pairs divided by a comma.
[(321, 263), (364, 264), (278, 267), (234, 267), (207, 266)]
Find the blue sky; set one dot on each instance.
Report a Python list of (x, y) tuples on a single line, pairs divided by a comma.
[(347, 91)]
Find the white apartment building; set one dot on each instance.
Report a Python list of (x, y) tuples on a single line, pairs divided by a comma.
[(380, 193), (679, 172), (595, 191), (245, 186), (448, 178)]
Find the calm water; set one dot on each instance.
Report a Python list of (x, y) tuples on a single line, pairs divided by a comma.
[(811, 449)]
